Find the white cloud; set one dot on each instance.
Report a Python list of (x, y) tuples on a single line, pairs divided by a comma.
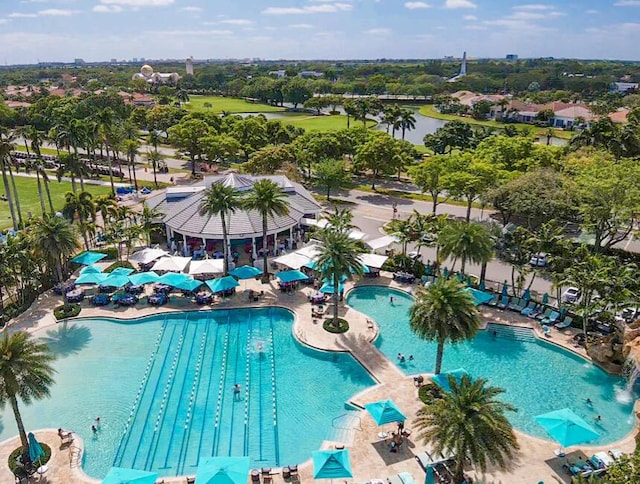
[(236, 21), (107, 9), (377, 31), (22, 15), (189, 33), (139, 3), (56, 12), (415, 5), (475, 27), (627, 3), (526, 16), (592, 12), (534, 6), (191, 9), (470, 18), (324, 8), (459, 4), (301, 26)]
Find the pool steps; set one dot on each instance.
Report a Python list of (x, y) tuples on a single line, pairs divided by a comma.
[(511, 332)]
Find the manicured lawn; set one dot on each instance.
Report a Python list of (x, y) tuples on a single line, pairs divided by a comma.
[(320, 123), (431, 112), (228, 104), (30, 202), (44, 151)]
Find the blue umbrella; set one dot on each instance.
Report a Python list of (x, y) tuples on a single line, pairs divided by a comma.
[(91, 278), (384, 412), (223, 470), (526, 295), (190, 285), (292, 276), (479, 297), (90, 269), (222, 284), (482, 285), (505, 288), (566, 428), (429, 478), (545, 298), (330, 464), (311, 265), (460, 277), (442, 379), (115, 280), (35, 449), (245, 272), (118, 475), (445, 273), (88, 258), (122, 271), (174, 278), (143, 278), (327, 288), (427, 270)]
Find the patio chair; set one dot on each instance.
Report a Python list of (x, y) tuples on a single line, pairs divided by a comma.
[(494, 300), (516, 304), (565, 323), (546, 330), (504, 302), (551, 319), (545, 314), (529, 309)]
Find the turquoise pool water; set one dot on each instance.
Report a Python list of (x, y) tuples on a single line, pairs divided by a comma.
[(538, 377), (163, 388)]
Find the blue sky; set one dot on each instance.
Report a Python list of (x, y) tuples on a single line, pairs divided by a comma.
[(61, 30)]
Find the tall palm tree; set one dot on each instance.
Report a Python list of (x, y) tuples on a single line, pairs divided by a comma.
[(147, 219), (107, 206), (268, 199), (80, 206), (26, 374), (466, 241), (5, 165), (36, 137), (154, 157), (341, 219), (443, 312), (337, 258), (470, 421), (407, 121), (222, 200), (131, 147), (55, 240)]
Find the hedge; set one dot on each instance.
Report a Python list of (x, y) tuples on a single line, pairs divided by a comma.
[(123, 263), (342, 327), (67, 310), (13, 457), (111, 252)]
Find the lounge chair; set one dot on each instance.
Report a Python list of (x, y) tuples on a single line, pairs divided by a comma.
[(504, 302), (526, 311), (616, 453), (551, 319), (601, 460), (546, 330), (394, 480), (515, 303), (536, 312), (565, 323), (545, 314), (493, 301)]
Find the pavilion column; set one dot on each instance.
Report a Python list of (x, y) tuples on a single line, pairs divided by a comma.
[(254, 251)]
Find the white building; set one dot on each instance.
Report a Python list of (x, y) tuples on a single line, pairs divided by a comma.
[(189, 66), (146, 74)]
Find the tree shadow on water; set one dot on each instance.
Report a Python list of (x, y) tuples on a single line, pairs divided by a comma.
[(67, 339)]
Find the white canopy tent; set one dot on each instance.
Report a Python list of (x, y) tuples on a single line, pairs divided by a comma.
[(147, 255), (310, 251), (357, 235), (207, 266), (373, 260), (294, 260), (382, 242), (171, 264)]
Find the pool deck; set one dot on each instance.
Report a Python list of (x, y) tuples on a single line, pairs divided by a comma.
[(370, 457)]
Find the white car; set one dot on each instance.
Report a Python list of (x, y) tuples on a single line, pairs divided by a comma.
[(538, 260), (415, 255), (571, 295)]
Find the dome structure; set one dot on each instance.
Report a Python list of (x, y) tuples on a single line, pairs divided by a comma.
[(146, 70)]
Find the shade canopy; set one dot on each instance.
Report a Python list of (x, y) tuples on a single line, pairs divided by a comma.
[(147, 255), (382, 242), (223, 470), (291, 276), (206, 266), (91, 278), (566, 428), (331, 464), (143, 278), (327, 287), (171, 264), (90, 269), (245, 272), (122, 271), (292, 260), (373, 260), (119, 475), (479, 297), (88, 258), (385, 411), (222, 284), (545, 298), (505, 289), (442, 379), (174, 279), (190, 285), (115, 280), (35, 449)]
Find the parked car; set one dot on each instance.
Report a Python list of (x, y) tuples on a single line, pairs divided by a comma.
[(538, 260), (571, 295), (415, 255)]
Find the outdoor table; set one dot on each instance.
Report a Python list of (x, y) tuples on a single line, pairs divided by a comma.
[(162, 288)]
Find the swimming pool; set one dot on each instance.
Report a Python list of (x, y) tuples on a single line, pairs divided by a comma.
[(538, 377), (163, 387)]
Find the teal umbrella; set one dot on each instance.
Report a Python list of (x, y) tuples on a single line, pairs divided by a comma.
[(545, 298), (331, 464), (190, 285), (143, 278), (245, 272), (222, 284), (35, 449), (505, 288), (482, 285), (566, 428), (460, 277), (119, 475), (445, 273), (292, 276), (88, 258), (479, 297), (115, 280), (442, 379), (91, 278), (429, 477), (427, 270), (92, 268), (526, 295), (174, 279), (122, 271), (327, 288), (311, 265), (223, 470), (469, 281), (384, 412)]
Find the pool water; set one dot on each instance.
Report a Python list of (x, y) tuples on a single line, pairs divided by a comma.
[(163, 387), (538, 377)]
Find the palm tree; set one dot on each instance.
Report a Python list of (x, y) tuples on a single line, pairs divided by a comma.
[(25, 373), (147, 220), (131, 149), (337, 258), (154, 157), (467, 242), (80, 206), (404, 231), (340, 220), (107, 207), (268, 199), (407, 121), (5, 163), (55, 240), (222, 200), (470, 421), (36, 138), (444, 312)]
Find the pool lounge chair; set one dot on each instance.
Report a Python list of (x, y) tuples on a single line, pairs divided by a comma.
[(546, 330), (515, 304), (504, 302), (565, 323), (536, 312), (601, 460), (616, 453), (494, 300), (545, 314), (529, 309), (551, 319)]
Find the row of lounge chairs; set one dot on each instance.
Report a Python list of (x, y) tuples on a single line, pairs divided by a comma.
[(596, 465), (545, 314)]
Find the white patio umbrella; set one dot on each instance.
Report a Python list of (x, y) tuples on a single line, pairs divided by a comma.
[(171, 264), (147, 255), (206, 266)]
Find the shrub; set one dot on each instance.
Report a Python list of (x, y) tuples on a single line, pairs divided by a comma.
[(13, 457), (117, 264), (67, 310), (111, 252), (404, 263), (428, 392), (330, 326)]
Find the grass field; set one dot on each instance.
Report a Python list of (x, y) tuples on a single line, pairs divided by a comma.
[(228, 104), (320, 123), (30, 202), (431, 112), (44, 151)]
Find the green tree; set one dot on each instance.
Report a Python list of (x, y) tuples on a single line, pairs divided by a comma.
[(148, 220), (55, 240), (466, 241), (444, 312), (381, 154), (80, 206), (251, 133), (429, 176), (221, 200), (269, 160), (268, 199), (407, 121), (453, 135), (188, 135), (5, 167), (332, 175), (26, 374), (470, 421), (624, 470)]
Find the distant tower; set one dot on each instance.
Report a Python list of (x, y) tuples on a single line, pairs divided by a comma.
[(189, 66), (463, 67)]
